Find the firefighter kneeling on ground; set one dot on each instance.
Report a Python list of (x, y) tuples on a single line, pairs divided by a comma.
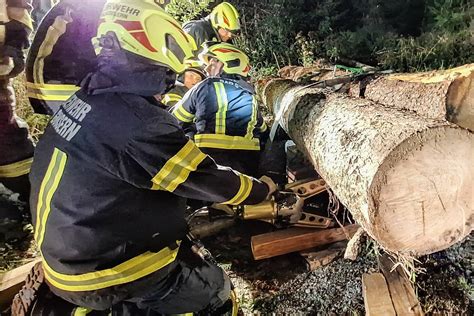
[(111, 176), (223, 110)]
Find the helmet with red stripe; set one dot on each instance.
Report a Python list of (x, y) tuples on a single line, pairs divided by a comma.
[(235, 61), (143, 28), (225, 16)]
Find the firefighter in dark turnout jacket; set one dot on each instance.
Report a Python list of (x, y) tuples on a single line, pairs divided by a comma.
[(61, 53), (222, 24), (224, 110), (16, 147), (112, 173)]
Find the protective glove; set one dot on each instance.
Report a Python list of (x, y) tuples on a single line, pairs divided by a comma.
[(272, 187)]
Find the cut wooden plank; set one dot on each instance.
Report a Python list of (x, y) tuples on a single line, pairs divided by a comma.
[(406, 179), (295, 239), (12, 281), (377, 299), (401, 290), (446, 94)]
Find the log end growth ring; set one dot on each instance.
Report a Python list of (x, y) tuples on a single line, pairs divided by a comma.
[(425, 192)]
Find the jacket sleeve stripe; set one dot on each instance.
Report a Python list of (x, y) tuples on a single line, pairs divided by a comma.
[(181, 114), (226, 142), (177, 169), (48, 187), (253, 119), (244, 191), (171, 97), (16, 169), (50, 92), (222, 103)]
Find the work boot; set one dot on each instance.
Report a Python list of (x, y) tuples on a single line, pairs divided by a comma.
[(24, 300), (35, 298)]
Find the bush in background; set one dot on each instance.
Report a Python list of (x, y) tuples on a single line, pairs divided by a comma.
[(405, 35)]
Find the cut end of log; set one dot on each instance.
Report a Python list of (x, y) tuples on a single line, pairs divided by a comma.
[(445, 94), (424, 192), (460, 102), (274, 89)]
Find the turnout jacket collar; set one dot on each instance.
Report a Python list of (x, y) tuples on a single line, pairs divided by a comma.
[(115, 75)]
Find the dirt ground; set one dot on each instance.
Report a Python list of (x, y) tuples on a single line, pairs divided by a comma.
[(283, 286)]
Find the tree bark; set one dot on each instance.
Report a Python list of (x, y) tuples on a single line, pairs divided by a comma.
[(407, 179), (446, 95)]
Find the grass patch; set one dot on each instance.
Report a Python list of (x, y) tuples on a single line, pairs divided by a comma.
[(36, 122)]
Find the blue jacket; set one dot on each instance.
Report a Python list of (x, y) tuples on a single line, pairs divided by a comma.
[(225, 113)]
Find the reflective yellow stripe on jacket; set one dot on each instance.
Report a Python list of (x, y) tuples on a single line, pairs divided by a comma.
[(246, 185), (181, 114), (16, 169), (128, 271), (226, 142), (222, 105), (50, 92), (177, 169), (171, 97)]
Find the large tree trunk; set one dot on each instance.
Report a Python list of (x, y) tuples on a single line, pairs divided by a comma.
[(447, 94), (408, 180)]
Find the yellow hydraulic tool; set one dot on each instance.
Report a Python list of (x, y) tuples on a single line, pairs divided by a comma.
[(288, 209)]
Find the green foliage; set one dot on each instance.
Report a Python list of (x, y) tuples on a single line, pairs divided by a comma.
[(187, 10), (429, 51), (405, 35), (449, 15)]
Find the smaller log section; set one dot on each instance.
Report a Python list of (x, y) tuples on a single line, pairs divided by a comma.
[(442, 95)]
